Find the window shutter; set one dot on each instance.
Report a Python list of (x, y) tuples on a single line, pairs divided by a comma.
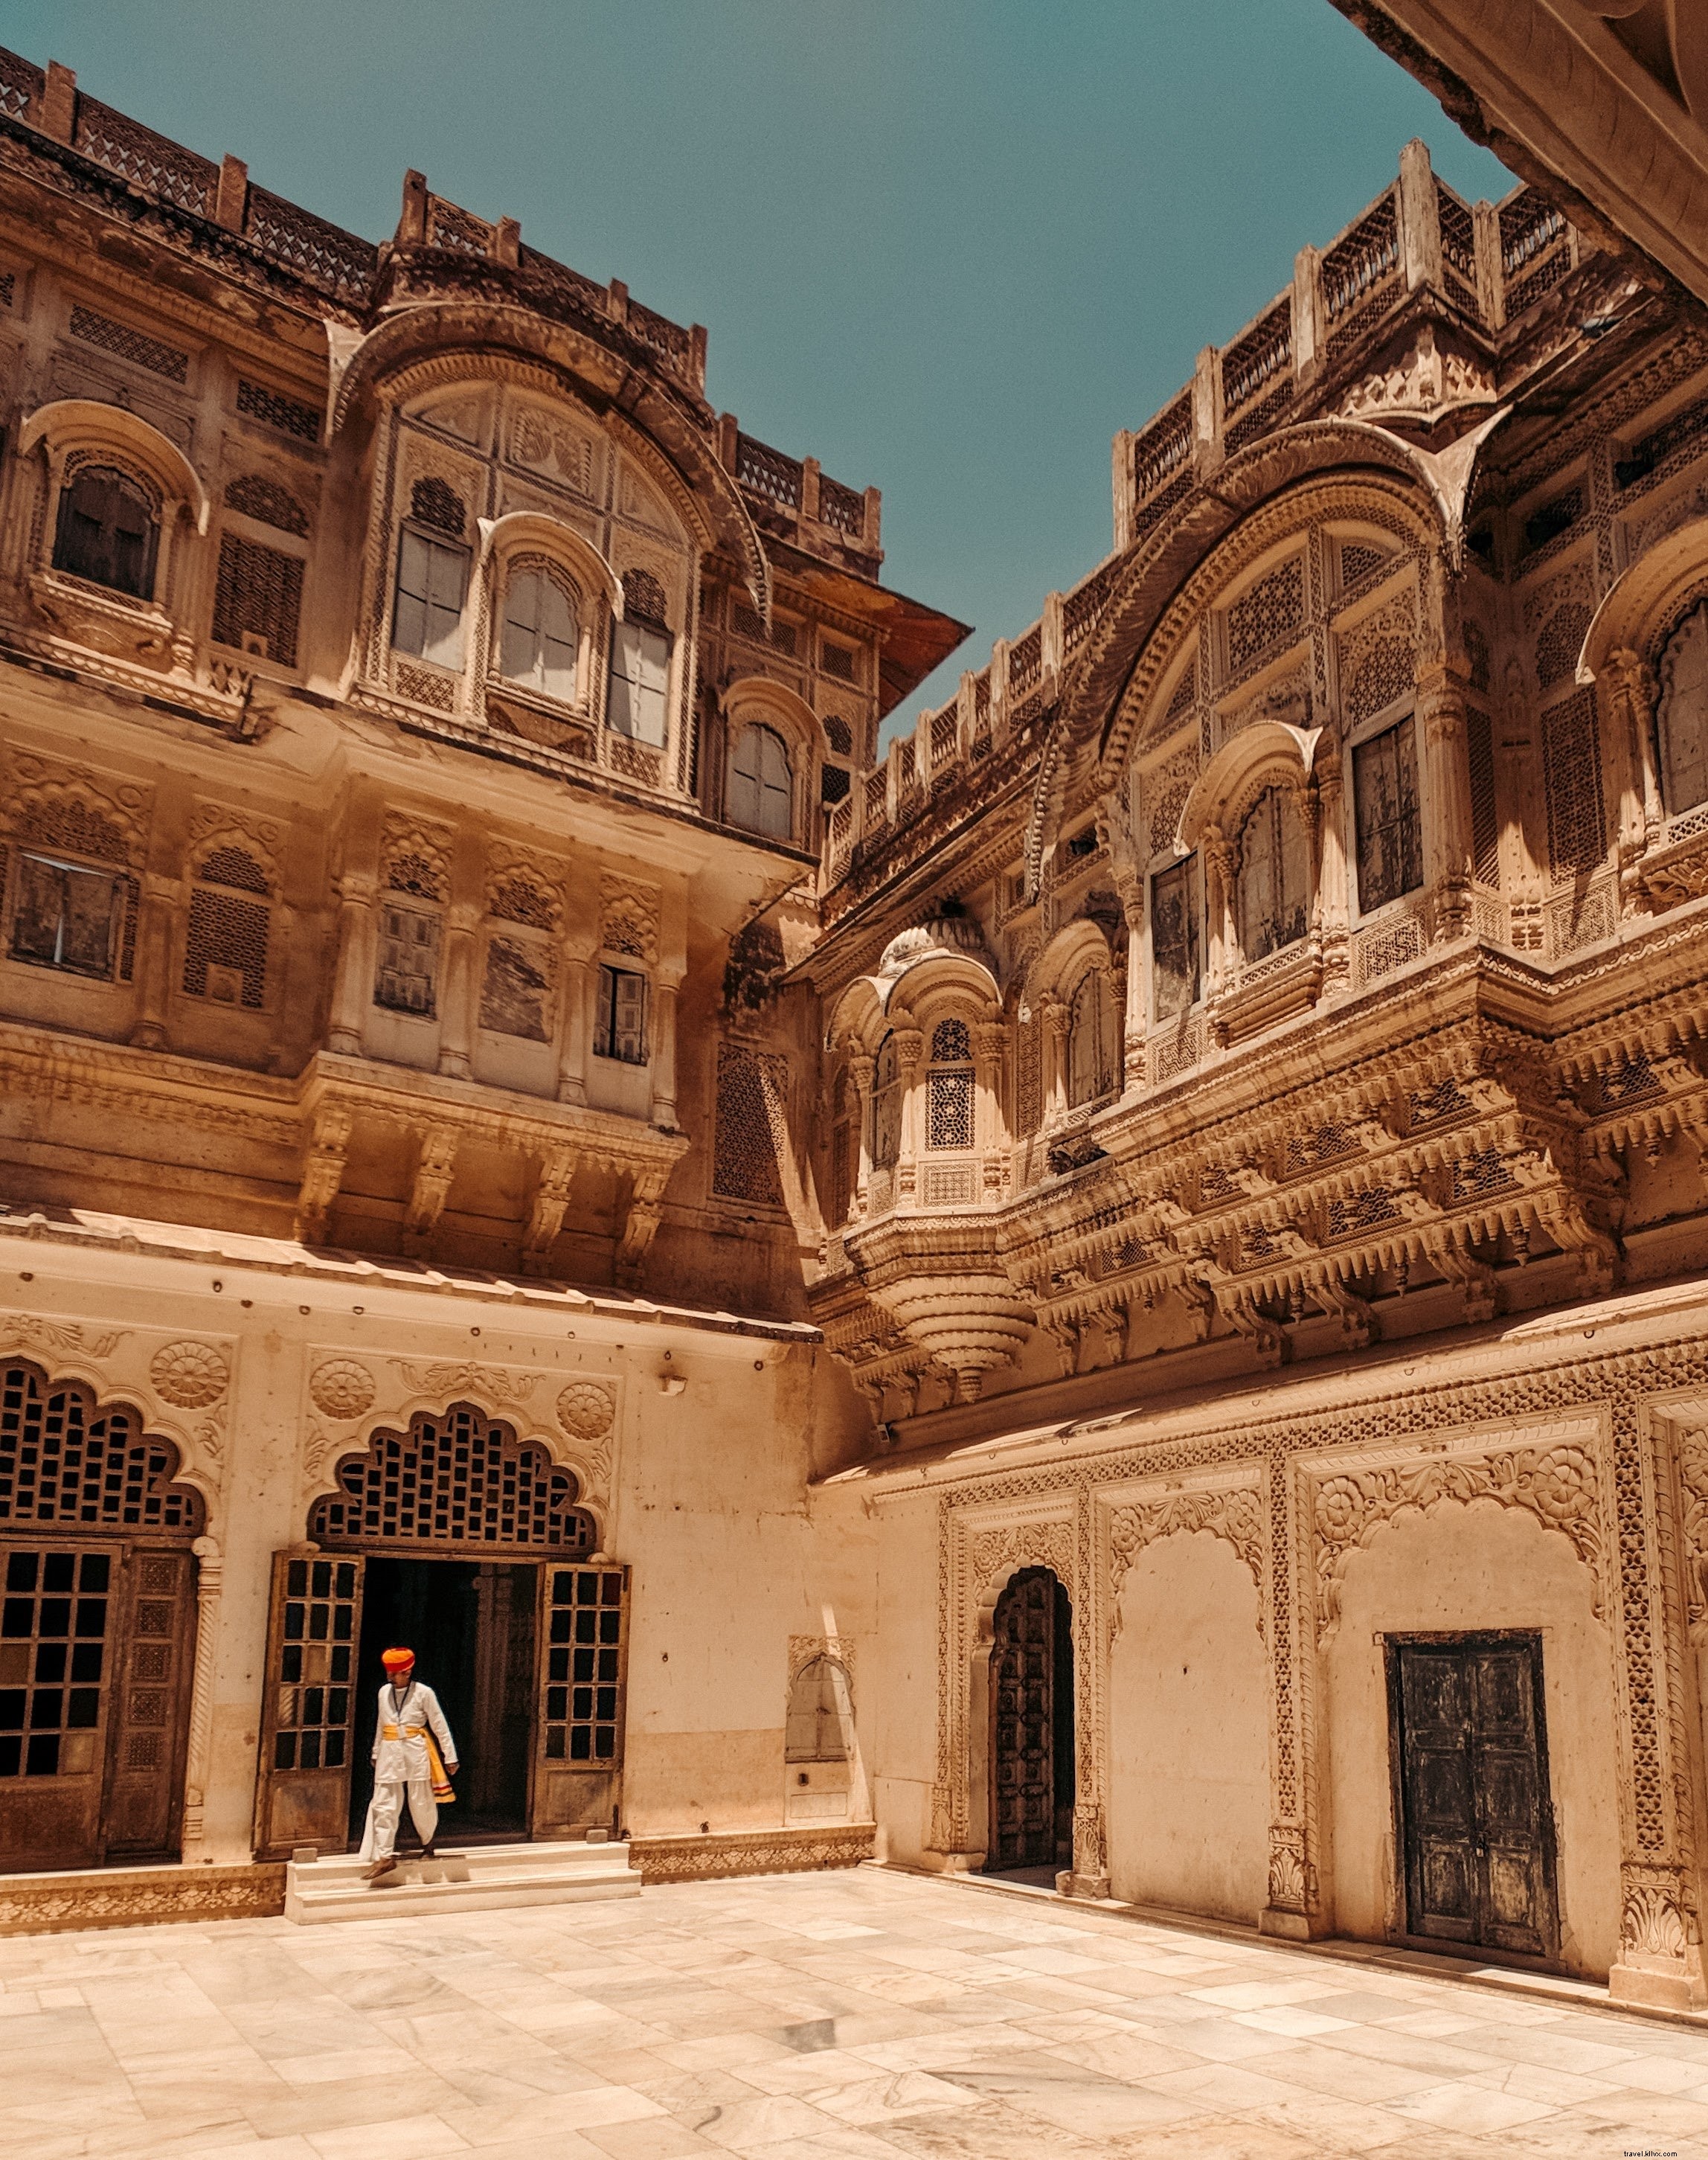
[(519, 657), (631, 1018)]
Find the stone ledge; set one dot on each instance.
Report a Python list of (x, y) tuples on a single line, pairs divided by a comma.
[(750, 1852), (138, 1897)]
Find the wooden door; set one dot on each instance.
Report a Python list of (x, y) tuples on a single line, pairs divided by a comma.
[(1023, 1714), (309, 1706), (154, 1669), (582, 1650), (59, 1636), (1476, 1825)]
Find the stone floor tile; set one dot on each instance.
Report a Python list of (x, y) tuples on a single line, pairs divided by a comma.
[(1336, 2126), (657, 2138), (1531, 2081), (1322, 2069), (886, 2099), (407, 2138), (1658, 2073), (751, 2126), (1292, 2022), (1256, 1994), (1463, 2105)]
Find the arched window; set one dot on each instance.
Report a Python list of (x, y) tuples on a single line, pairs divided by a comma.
[(1681, 719), (541, 636), (640, 647), (225, 945), (886, 1106), (820, 1727), (1274, 877), (762, 787), (1091, 1041), (949, 1101), (433, 576), (108, 532)]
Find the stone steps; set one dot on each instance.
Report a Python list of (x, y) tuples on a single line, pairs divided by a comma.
[(474, 1878)]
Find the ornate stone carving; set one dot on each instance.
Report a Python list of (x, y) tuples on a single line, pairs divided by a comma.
[(1559, 1485), (342, 1387), (1235, 1516), (587, 1409), (468, 1381), (29, 1331), (189, 1374), (415, 854), (628, 914)]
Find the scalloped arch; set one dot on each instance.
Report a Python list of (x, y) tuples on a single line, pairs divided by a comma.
[(79, 423)]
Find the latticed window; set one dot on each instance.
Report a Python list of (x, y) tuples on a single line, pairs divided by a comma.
[(258, 598), (1175, 979), (752, 1125), (1274, 876), (68, 916), (224, 946), (432, 576), (62, 1463), (1389, 823), (583, 1703), (639, 681), (760, 795), (949, 1105), (541, 635), (459, 1479), (406, 976), (1572, 773), (1091, 1040), (820, 1727), (1681, 719), (620, 1029), (886, 1106), (54, 1656), (318, 1625), (107, 531)]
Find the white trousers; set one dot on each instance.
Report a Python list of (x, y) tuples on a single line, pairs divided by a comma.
[(380, 1837)]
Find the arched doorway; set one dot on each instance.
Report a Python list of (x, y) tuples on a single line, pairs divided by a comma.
[(97, 1630), (1032, 1713), (468, 1543)]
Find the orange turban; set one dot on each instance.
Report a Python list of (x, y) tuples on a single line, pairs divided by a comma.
[(395, 1661)]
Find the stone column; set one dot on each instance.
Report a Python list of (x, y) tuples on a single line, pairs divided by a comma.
[(578, 1028), (1630, 688), (663, 1049), (1218, 924), (910, 1050), (352, 982), (162, 899), (990, 1133), (1441, 711), (456, 1009), (1133, 1021), (1059, 1021), (861, 1070), (1333, 910), (210, 1580)]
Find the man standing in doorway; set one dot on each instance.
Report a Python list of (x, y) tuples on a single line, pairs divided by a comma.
[(413, 1750)]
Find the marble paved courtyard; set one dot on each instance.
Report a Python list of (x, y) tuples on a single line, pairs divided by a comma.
[(848, 2016)]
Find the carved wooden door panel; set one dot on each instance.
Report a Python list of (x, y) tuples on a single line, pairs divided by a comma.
[(308, 1708), (1471, 1780), (1022, 1691), (583, 1644), (153, 1668)]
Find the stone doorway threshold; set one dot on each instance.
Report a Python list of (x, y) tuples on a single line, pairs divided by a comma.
[(1343, 1950)]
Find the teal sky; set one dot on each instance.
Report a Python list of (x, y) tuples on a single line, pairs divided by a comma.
[(948, 246)]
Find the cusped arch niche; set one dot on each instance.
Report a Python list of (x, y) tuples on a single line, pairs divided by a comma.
[(71, 1463), (454, 1482)]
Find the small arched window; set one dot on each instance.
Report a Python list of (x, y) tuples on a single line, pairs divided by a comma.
[(108, 532), (541, 635), (640, 672), (762, 798), (1681, 718), (820, 1727), (886, 1106), (1091, 1041), (949, 1103), (224, 946), (1274, 876)]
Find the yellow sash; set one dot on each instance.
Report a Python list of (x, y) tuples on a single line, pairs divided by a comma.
[(442, 1791)]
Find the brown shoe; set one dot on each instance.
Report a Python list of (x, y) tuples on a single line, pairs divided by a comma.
[(382, 1868)]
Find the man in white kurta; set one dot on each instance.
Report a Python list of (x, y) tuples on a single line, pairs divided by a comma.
[(410, 1730)]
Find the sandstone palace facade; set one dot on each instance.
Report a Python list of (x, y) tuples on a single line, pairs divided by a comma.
[(1117, 1288)]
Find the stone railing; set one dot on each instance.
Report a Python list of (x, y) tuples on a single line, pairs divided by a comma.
[(798, 492), (1492, 261)]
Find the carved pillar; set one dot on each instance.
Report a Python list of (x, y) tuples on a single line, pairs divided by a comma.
[(910, 1050), (434, 1168), (578, 1030), (1333, 907), (1059, 1021), (989, 1127), (556, 1174), (1219, 873), (861, 1070), (1132, 1022), (456, 1011), (1631, 693), (162, 898), (1441, 711), (352, 983), (323, 1168), (210, 1580), (663, 1050)]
